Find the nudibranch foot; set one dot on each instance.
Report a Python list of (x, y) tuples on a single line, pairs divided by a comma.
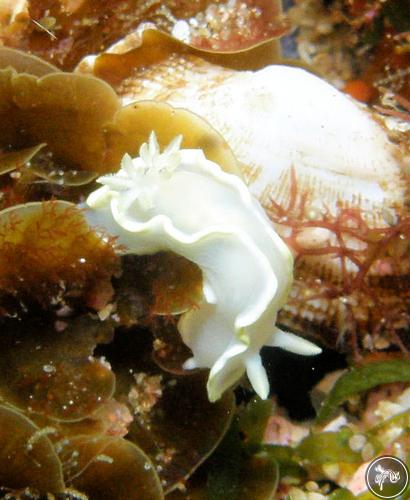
[(182, 202)]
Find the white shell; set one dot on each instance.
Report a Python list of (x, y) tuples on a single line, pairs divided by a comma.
[(282, 117), (286, 125)]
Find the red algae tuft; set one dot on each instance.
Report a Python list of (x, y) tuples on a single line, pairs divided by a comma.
[(372, 264)]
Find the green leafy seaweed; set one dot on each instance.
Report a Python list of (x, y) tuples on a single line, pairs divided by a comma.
[(329, 447), (254, 420), (360, 379), (342, 494), (241, 468), (238, 474), (287, 460)]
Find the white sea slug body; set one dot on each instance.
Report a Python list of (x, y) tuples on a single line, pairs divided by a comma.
[(181, 202)]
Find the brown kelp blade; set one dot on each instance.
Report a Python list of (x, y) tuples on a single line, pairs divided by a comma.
[(109, 467), (27, 457)]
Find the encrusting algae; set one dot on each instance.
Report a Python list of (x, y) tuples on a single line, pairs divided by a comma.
[(49, 255)]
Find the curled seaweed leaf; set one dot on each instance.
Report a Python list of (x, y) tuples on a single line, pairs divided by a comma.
[(23, 62), (108, 467), (152, 285), (342, 494), (331, 447), (53, 122), (52, 372), (363, 378), (167, 283), (134, 65), (254, 420), (78, 121), (154, 47), (64, 178), (27, 456), (176, 285), (132, 125), (66, 111), (239, 475), (16, 159)]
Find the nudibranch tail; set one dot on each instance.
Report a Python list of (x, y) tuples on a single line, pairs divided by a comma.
[(180, 201), (293, 343)]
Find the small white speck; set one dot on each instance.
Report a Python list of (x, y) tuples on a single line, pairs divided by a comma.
[(49, 369), (357, 442), (181, 31)]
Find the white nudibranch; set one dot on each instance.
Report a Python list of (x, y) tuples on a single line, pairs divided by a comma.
[(181, 202)]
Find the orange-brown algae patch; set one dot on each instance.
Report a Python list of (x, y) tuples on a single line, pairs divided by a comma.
[(389, 64), (362, 43), (65, 31), (236, 24), (352, 277), (49, 254)]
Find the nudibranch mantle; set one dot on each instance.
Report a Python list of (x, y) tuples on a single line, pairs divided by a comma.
[(181, 202)]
